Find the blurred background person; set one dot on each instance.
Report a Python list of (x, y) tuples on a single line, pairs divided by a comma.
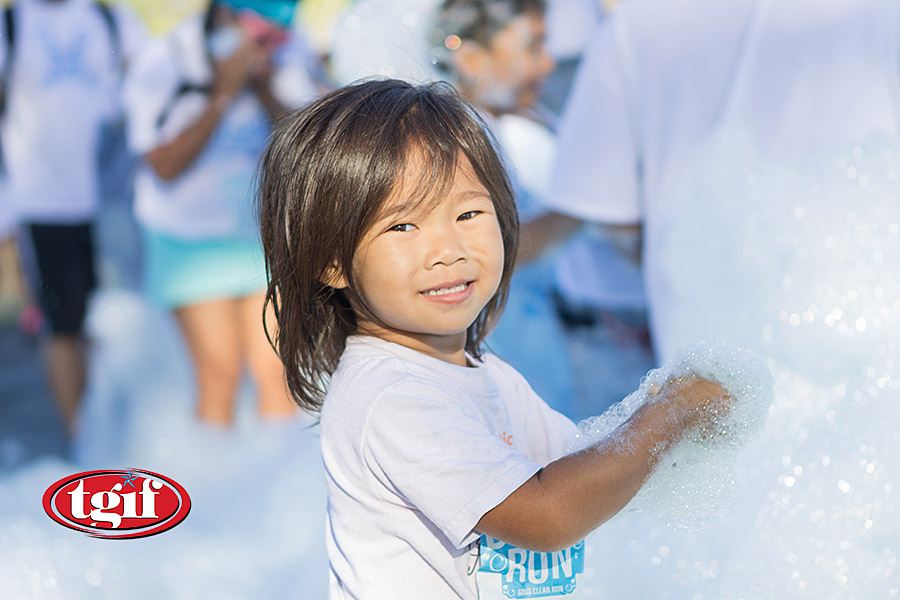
[(11, 292), (62, 65), (201, 102), (598, 269), (138, 409), (648, 93), (494, 52)]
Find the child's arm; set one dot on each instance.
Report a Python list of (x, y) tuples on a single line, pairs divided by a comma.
[(571, 496)]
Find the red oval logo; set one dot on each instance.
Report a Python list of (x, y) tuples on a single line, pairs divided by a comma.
[(117, 505)]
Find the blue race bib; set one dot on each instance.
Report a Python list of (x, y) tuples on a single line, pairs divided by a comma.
[(506, 571)]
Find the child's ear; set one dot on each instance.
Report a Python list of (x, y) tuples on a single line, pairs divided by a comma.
[(333, 276)]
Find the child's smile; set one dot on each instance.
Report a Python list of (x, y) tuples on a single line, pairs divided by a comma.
[(449, 293), (425, 274)]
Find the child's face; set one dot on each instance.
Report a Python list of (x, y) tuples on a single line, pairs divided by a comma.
[(508, 74), (427, 273)]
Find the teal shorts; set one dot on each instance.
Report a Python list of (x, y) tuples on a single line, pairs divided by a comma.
[(179, 272)]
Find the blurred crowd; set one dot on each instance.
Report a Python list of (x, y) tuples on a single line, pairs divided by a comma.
[(684, 170), (131, 133), (130, 137)]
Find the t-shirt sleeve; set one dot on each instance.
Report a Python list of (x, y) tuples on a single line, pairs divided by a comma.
[(529, 148), (596, 171), (438, 454)]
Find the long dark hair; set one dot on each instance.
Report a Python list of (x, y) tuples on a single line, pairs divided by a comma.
[(325, 177)]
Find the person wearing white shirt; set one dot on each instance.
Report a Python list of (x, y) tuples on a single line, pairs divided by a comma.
[(63, 62), (200, 104), (651, 88)]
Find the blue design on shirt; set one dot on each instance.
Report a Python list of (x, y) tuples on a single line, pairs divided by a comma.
[(67, 62), (528, 574)]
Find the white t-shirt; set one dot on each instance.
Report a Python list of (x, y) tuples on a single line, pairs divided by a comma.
[(63, 87), (213, 197), (570, 24), (588, 268), (416, 451), (528, 148), (659, 79)]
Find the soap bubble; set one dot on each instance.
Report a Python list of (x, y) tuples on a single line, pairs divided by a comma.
[(692, 480), (805, 274)]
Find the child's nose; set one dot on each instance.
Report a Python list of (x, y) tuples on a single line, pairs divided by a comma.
[(446, 247)]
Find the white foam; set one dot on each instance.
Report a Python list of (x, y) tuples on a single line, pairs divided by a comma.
[(804, 272), (258, 496), (692, 480)]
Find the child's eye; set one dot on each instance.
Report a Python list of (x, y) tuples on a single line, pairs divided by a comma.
[(402, 227), (468, 215)]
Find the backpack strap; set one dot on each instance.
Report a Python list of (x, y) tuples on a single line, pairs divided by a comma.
[(9, 40), (186, 86), (112, 26)]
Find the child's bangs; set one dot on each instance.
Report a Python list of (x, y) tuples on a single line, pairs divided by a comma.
[(423, 180), (429, 140)]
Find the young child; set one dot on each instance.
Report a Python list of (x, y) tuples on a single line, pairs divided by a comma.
[(390, 233)]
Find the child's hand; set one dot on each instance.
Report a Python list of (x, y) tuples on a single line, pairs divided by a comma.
[(699, 403)]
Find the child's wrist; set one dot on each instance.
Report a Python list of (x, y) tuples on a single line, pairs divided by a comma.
[(660, 424)]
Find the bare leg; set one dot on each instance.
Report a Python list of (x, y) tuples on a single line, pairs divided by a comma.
[(12, 289), (213, 338), (268, 373), (16, 301), (65, 359)]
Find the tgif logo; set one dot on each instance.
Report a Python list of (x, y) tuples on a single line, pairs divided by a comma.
[(112, 504)]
